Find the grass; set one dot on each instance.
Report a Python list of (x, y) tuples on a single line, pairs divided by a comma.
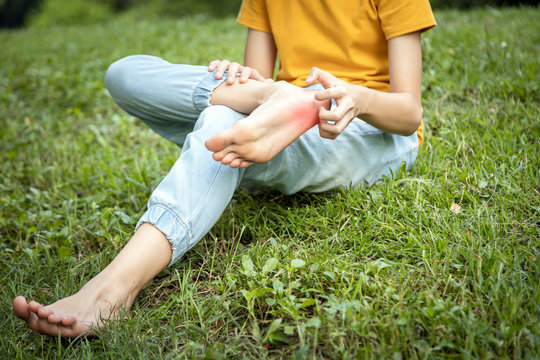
[(388, 271)]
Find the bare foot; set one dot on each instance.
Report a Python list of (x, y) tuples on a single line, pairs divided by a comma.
[(289, 112), (73, 316), (108, 295)]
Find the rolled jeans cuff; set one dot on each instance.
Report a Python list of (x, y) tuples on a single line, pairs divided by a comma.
[(204, 89), (172, 226)]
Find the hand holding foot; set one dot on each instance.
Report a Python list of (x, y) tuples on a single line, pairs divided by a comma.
[(288, 112)]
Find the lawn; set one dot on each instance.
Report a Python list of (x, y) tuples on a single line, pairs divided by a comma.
[(439, 262)]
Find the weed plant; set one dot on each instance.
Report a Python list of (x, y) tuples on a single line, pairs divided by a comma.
[(439, 262)]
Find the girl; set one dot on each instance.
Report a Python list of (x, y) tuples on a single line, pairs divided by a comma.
[(366, 104)]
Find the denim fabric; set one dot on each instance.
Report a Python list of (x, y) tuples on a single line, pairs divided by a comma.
[(173, 100)]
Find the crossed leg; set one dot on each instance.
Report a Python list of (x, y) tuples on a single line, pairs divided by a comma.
[(287, 113)]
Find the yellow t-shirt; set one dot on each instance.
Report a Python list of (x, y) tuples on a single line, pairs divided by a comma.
[(347, 38)]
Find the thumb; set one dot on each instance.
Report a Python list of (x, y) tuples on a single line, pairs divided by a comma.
[(326, 79)]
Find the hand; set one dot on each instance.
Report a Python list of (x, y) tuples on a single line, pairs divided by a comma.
[(233, 69), (347, 97)]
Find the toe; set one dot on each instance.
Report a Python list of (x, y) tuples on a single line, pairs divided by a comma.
[(219, 141), (33, 322), (45, 321), (69, 320), (55, 319), (20, 308), (229, 158), (81, 329), (229, 151), (44, 313), (236, 162), (245, 163), (67, 327), (218, 156), (42, 326), (34, 306)]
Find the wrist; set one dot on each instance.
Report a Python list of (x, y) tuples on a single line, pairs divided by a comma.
[(363, 98)]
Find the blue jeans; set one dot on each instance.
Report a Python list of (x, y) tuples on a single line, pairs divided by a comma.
[(173, 100)]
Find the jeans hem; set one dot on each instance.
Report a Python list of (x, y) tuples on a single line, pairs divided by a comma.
[(204, 89), (171, 225)]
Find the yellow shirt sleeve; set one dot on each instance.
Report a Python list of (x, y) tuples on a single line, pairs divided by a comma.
[(254, 15), (400, 17)]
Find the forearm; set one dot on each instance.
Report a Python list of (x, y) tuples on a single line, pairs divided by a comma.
[(397, 113)]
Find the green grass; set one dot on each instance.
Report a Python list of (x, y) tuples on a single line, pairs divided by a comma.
[(385, 271)]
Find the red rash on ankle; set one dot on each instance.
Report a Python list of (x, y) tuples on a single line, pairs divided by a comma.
[(305, 116)]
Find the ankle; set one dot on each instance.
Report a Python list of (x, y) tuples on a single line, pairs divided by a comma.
[(267, 89), (111, 289)]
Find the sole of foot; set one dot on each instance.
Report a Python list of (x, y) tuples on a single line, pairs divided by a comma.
[(288, 113)]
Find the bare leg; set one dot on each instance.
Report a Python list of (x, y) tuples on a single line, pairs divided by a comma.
[(113, 290), (286, 113)]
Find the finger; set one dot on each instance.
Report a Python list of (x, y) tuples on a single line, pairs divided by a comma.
[(213, 65), (328, 115), (325, 134), (255, 75), (221, 68), (330, 93), (333, 129), (246, 73), (336, 114), (337, 127), (326, 79), (325, 131), (234, 69), (342, 125)]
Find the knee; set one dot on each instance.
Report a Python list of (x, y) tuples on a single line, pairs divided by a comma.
[(218, 118), (121, 78)]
